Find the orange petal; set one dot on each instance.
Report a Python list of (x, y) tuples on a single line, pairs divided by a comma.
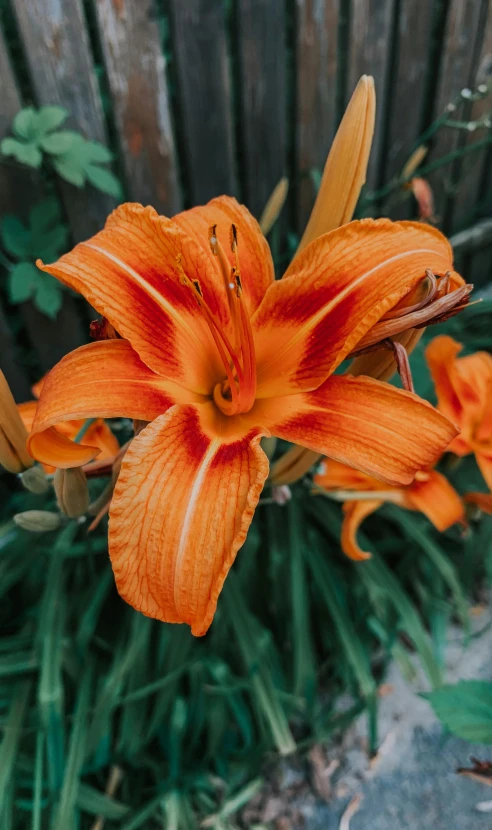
[(99, 435), (13, 452), (181, 510), (336, 476), (482, 500), (355, 513), (436, 499), (338, 288), (129, 273), (255, 259), (346, 165), (441, 357), (27, 412), (463, 387), (383, 431), (104, 379)]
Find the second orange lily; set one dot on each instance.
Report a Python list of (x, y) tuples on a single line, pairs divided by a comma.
[(430, 493)]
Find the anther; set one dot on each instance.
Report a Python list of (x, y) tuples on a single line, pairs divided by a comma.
[(233, 238)]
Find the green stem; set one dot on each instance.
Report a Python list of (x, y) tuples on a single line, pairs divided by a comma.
[(82, 431)]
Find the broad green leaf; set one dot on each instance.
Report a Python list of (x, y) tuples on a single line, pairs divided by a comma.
[(465, 709), (69, 171), (48, 297), (57, 143), (49, 118), (104, 180), (24, 153), (15, 237), (23, 124), (23, 282)]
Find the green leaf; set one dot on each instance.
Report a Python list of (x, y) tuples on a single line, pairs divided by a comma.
[(76, 755), (15, 237), (96, 152), (70, 171), (23, 123), (57, 143), (23, 282), (465, 709), (48, 297), (24, 153), (103, 180), (49, 118)]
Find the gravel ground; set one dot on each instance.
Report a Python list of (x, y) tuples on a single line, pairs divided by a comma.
[(412, 784)]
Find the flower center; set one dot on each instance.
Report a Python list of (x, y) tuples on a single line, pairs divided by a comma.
[(236, 392)]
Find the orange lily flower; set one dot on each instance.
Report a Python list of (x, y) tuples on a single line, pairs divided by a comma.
[(430, 493), (97, 435), (464, 393), (216, 354)]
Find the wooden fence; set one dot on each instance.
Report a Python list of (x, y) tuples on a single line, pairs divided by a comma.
[(201, 97)]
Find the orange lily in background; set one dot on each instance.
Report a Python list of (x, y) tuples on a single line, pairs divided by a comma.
[(430, 493), (215, 355), (464, 394), (97, 435)]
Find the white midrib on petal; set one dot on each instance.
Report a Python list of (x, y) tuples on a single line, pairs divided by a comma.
[(190, 510), (160, 300)]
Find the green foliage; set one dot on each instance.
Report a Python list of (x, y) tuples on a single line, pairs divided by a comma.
[(45, 237), (465, 708), (37, 136)]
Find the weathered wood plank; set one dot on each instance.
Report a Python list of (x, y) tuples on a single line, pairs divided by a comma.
[(204, 89), (19, 190), (316, 62), (457, 69), (473, 170), (60, 62), (262, 65), (407, 100), (369, 54), (137, 76)]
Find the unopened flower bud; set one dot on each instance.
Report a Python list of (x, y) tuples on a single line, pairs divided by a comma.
[(38, 521), (72, 492), (13, 434), (34, 479)]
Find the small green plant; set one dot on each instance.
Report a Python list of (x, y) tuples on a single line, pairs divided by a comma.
[(37, 139), (465, 709), (45, 236)]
